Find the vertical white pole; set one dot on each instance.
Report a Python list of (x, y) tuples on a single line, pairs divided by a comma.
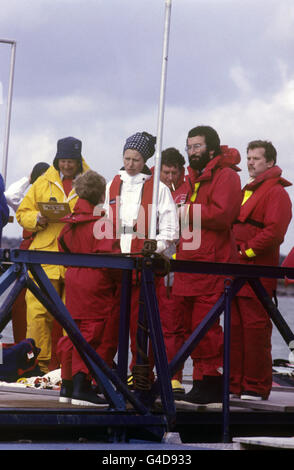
[(152, 231), (9, 104)]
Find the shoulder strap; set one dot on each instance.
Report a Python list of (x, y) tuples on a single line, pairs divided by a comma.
[(114, 189), (63, 244), (146, 202)]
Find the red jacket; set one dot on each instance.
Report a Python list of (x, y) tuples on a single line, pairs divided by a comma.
[(263, 222), (289, 263), (180, 194), (88, 290), (220, 196)]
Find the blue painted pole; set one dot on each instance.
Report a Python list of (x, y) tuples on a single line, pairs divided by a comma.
[(124, 326), (226, 362)]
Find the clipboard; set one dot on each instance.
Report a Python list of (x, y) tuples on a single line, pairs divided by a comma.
[(54, 211)]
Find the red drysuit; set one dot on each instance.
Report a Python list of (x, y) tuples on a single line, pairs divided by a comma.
[(260, 229), (128, 188), (289, 263), (90, 294), (170, 315), (218, 191)]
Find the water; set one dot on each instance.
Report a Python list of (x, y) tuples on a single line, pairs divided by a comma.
[(280, 349)]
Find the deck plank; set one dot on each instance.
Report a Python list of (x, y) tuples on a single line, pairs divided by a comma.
[(14, 397), (282, 401)]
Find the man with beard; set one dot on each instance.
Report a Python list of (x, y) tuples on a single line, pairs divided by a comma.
[(216, 186)]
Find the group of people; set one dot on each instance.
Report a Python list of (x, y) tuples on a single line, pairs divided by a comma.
[(237, 225)]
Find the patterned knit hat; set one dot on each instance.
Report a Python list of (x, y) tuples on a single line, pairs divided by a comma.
[(143, 143)]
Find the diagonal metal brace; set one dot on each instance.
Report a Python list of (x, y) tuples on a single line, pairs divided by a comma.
[(182, 355), (6, 306), (273, 311), (157, 341), (95, 363)]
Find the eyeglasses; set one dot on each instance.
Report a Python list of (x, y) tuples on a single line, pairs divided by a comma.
[(194, 147)]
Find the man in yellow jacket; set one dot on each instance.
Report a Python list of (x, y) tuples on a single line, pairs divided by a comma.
[(54, 184)]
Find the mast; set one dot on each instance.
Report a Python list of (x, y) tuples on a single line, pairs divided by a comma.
[(9, 105), (152, 232)]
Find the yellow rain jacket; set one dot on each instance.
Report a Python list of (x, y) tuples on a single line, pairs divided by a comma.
[(47, 185)]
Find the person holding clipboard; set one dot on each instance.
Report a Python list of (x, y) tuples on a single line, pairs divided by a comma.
[(54, 188)]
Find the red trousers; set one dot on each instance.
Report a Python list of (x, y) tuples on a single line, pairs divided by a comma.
[(70, 360), (251, 360), (109, 344), (19, 317), (207, 357), (171, 323)]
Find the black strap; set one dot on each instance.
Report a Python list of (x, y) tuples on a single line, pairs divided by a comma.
[(253, 222), (64, 245)]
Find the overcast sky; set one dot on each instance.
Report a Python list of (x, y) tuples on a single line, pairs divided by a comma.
[(92, 68)]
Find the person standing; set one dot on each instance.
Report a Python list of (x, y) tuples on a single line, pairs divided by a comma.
[(16, 191), (128, 200), (259, 230), (14, 195), (55, 183), (172, 173), (217, 189), (90, 294)]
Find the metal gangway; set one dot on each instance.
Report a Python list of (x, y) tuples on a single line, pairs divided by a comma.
[(135, 408)]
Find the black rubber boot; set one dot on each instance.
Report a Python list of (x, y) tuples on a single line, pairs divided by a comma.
[(208, 390), (183, 396), (65, 391), (83, 393)]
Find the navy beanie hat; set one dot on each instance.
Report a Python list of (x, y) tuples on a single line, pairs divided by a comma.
[(69, 147), (143, 143)]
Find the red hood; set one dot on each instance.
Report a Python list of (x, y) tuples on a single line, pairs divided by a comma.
[(273, 172), (83, 212), (229, 158), (181, 179)]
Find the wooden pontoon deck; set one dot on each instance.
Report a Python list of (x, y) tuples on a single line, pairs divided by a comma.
[(31, 413)]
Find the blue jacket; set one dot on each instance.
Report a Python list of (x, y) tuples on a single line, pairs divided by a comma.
[(4, 209)]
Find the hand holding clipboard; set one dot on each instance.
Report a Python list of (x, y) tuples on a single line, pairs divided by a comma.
[(52, 211)]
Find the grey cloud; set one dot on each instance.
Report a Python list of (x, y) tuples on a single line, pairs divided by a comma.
[(115, 47)]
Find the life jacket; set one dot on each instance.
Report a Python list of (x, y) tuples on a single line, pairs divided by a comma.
[(249, 205), (143, 215)]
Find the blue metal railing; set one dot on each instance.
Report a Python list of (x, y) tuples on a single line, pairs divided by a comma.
[(23, 269)]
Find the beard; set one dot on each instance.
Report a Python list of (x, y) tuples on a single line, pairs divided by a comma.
[(198, 162)]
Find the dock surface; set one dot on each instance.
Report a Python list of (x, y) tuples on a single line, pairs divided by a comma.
[(30, 415)]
